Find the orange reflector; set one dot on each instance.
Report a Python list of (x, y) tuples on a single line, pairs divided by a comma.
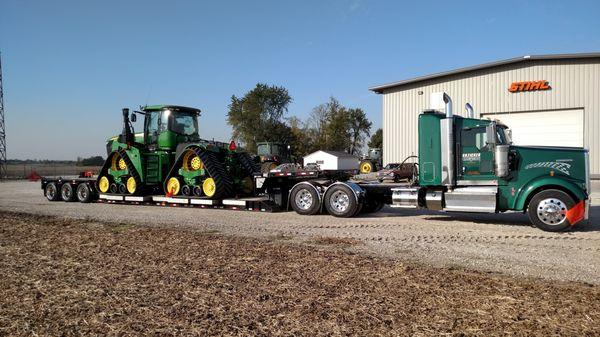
[(576, 213)]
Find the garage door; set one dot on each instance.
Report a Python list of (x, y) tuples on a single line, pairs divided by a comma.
[(550, 128)]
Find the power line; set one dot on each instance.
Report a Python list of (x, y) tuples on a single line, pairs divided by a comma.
[(2, 129)]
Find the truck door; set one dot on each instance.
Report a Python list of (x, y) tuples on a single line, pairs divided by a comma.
[(476, 160)]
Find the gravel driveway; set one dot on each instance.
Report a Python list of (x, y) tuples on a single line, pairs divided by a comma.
[(503, 243)]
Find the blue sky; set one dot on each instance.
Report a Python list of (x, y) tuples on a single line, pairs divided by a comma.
[(70, 66)]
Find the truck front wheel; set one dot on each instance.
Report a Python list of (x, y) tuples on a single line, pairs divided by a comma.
[(548, 210)]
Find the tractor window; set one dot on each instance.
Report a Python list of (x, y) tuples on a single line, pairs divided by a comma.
[(152, 127), (184, 124), (263, 150)]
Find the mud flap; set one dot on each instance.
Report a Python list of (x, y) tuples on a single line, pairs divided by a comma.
[(576, 213)]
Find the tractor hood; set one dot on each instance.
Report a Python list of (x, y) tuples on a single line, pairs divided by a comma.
[(568, 162)]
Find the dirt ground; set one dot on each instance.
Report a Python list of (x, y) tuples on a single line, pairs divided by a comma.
[(72, 277), (504, 243)]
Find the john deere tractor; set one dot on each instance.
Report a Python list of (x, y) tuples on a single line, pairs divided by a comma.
[(169, 157), (271, 154)]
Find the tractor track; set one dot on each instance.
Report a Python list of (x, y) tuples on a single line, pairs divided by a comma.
[(496, 243)]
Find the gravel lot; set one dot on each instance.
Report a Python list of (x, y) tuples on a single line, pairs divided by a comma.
[(504, 243)]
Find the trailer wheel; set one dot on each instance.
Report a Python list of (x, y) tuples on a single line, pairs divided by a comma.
[(198, 191), (366, 166), (67, 193), (341, 202), (51, 192), (84, 193), (305, 199), (547, 210)]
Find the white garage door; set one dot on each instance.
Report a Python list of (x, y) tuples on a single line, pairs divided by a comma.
[(550, 128)]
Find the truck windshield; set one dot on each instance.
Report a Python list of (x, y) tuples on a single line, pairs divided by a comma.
[(503, 135)]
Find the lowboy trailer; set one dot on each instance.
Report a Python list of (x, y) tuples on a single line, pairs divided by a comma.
[(465, 165)]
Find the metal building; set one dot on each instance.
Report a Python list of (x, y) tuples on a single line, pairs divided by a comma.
[(544, 99)]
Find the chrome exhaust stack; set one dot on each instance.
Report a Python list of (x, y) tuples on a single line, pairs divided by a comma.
[(447, 143), (470, 111)]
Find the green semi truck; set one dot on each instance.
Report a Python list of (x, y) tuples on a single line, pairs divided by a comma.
[(464, 165)]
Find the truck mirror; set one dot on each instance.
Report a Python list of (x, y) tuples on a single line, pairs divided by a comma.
[(490, 133), (133, 118)]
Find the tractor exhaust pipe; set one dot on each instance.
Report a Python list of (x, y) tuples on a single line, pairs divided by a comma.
[(126, 136), (470, 112)]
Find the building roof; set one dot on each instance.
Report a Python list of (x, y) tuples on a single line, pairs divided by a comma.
[(339, 154), (380, 88)]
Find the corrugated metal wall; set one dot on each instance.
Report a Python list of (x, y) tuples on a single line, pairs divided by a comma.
[(574, 84)]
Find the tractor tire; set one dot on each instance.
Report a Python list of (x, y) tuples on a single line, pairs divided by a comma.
[(51, 192), (340, 201), (84, 193), (266, 167), (248, 164), (67, 193), (305, 200), (366, 166), (547, 210)]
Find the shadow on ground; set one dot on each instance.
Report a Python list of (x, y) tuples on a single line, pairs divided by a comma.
[(510, 219)]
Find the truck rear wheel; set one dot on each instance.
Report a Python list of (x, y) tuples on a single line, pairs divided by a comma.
[(547, 210), (84, 193), (67, 193), (305, 199), (51, 192), (341, 202)]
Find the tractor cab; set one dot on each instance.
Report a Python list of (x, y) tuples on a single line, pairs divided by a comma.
[(166, 126)]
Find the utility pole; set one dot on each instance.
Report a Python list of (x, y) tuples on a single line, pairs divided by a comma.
[(2, 129)]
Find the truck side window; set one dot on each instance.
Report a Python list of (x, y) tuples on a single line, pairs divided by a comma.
[(474, 137)]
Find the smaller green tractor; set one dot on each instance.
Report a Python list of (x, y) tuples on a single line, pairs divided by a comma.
[(170, 157), (371, 162), (272, 154)]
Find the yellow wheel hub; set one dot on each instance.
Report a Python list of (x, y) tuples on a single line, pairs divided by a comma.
[(191, 161), (131, 185), (366, 168), (122, 164), (173, 186), (209, 187), (103, 184)]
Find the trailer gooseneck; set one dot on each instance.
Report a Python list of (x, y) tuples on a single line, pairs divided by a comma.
[(465, 165)]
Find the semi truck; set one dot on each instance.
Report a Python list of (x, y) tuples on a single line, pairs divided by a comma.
[(465, 164)]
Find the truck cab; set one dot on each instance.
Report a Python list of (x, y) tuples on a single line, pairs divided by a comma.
[(471, 165)]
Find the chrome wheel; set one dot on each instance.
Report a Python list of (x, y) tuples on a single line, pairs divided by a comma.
[(304, 199), (51, 191), (552, 211), (82, 193), (339, 201)]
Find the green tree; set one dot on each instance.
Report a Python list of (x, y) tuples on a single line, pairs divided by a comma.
[(360, 128), (377, 139), (258, 116)]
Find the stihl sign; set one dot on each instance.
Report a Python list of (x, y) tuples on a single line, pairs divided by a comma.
[(529, 86)]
